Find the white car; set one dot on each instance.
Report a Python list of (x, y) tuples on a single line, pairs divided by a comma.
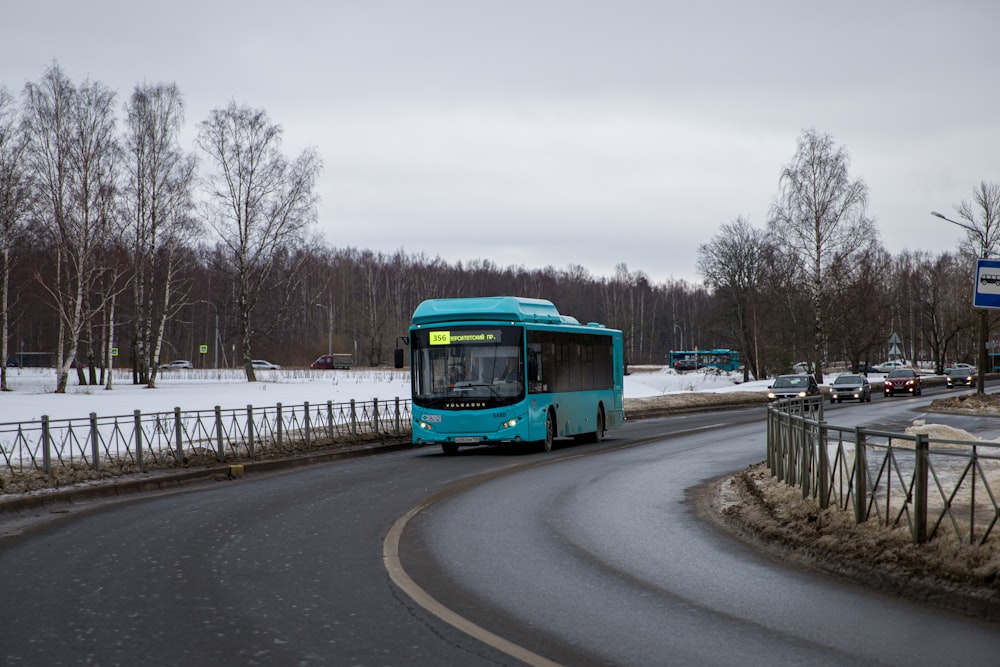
[(175, 364), (264, 364), (890, 366)]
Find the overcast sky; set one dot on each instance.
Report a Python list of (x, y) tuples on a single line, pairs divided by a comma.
[(571, 132)]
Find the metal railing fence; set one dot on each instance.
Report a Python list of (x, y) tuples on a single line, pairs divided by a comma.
[(928, 485), (138, 442)]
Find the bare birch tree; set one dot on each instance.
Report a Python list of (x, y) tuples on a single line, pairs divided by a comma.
[(259, 203), (624, 298), (72, 156), (820, 215), (159, 200), (15, 199)]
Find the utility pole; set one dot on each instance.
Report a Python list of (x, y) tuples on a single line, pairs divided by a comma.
[(984, 321), (329, 341)]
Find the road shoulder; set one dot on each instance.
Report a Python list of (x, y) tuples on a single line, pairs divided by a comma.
[(773, 518)]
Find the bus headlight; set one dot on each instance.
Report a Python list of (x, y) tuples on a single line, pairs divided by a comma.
[(509, 423), (425, 426)]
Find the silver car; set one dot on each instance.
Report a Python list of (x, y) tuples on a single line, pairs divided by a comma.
[(851, 387), (797, 385)]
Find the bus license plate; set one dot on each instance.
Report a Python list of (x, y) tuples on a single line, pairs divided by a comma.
[(466, 439)]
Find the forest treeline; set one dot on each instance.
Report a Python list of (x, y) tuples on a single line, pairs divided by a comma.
[(118, 247)]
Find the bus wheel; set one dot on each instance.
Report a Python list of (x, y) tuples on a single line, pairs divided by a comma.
[(599, 422), (549, 433), (449, 448)]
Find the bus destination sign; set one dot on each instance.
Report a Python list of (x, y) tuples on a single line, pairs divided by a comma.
[(465, 336)]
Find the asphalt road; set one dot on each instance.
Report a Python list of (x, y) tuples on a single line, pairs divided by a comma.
[(592, 554)]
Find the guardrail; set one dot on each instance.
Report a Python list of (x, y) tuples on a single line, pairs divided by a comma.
[(928, 485), (77, 449)]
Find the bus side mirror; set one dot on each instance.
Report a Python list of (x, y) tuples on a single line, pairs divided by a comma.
[(398, 357)]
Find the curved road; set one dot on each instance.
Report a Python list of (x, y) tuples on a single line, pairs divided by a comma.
[(589, 555)]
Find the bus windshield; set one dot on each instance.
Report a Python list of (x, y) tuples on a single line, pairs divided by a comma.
[(461, 367)]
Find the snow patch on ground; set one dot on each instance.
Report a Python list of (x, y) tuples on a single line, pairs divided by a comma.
[(943, 432)]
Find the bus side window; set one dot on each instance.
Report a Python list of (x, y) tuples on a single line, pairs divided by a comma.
[(535, 368)]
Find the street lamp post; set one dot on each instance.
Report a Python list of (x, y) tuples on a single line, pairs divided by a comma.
[(329, 341), (983, 313), (215, 361), (676, 327)]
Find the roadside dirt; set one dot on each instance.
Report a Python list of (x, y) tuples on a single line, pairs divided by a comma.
[(773, 517)]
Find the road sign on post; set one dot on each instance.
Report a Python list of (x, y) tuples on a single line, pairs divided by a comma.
[(894, 342), (987, 289)]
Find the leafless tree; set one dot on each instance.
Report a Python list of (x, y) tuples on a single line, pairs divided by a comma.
[(980, 218), (15, 200), (259, 203), (820, 215), (944, 298), (72, 156), (626, 303), (736, 263), (860, 304), (158, 195)]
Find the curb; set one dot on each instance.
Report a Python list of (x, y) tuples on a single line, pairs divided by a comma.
[(159, 480)]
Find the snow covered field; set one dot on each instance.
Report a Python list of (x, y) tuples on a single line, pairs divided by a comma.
[(31, 390)]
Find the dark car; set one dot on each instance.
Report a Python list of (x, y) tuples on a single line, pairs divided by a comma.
[(851, 387), (903, 381), (332, 361), (960, 377), (799, 385), (864, 368), (682, 365)]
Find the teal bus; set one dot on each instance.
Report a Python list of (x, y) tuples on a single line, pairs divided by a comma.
[(689, 360), (494, 370)]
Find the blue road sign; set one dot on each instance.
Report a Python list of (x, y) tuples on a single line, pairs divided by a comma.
[(987, 294)]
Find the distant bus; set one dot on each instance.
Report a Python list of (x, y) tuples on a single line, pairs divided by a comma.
[(492, 370), (689, 360)]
